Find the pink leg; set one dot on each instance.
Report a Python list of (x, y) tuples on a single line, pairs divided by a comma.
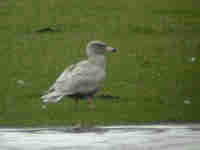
[(91, 105), (89, 99)]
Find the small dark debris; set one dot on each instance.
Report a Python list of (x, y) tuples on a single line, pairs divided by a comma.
[(48, 29)]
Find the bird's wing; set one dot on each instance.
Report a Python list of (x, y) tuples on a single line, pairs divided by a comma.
[(80, 78), (62, 77)]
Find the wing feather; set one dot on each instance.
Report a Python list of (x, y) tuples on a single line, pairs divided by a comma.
[(79, 78)]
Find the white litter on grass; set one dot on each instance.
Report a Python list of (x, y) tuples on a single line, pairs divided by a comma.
[(187, 102), (193, 59), (44, 106), (20, 82)]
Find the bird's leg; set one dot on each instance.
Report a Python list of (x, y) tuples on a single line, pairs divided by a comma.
[(76, 99), (91, 104)]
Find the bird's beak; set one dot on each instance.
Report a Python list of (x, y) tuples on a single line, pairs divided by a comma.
[(110, 49)]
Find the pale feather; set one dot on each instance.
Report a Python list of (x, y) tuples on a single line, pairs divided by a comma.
[(83, 77)]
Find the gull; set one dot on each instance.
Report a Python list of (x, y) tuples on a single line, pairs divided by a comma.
[(83, 79)]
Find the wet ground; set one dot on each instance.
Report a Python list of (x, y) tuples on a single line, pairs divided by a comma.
[(137, 137)]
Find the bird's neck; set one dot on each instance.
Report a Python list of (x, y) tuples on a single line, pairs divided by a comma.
[(98, 60)]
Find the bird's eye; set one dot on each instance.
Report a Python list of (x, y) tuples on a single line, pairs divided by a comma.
[(98, 45), (101, 46)]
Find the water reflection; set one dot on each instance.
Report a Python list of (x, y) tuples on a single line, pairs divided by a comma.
[(147, 137)]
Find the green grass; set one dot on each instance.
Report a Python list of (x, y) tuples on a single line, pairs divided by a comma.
[(152, 72)]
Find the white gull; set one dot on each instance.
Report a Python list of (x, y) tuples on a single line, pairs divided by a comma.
[(82, 79)]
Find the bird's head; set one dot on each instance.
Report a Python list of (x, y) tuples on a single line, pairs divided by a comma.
[(98, 48)]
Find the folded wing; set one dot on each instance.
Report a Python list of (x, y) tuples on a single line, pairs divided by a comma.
[(79, 78)]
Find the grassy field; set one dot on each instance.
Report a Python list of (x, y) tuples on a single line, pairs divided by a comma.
[(155, 71)]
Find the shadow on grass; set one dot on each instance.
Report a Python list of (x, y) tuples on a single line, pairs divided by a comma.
[(108, 97)]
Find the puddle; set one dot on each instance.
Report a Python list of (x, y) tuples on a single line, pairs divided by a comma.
[(138, 137)]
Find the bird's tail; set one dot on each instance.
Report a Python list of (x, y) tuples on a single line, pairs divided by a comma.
[(52, 97)]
